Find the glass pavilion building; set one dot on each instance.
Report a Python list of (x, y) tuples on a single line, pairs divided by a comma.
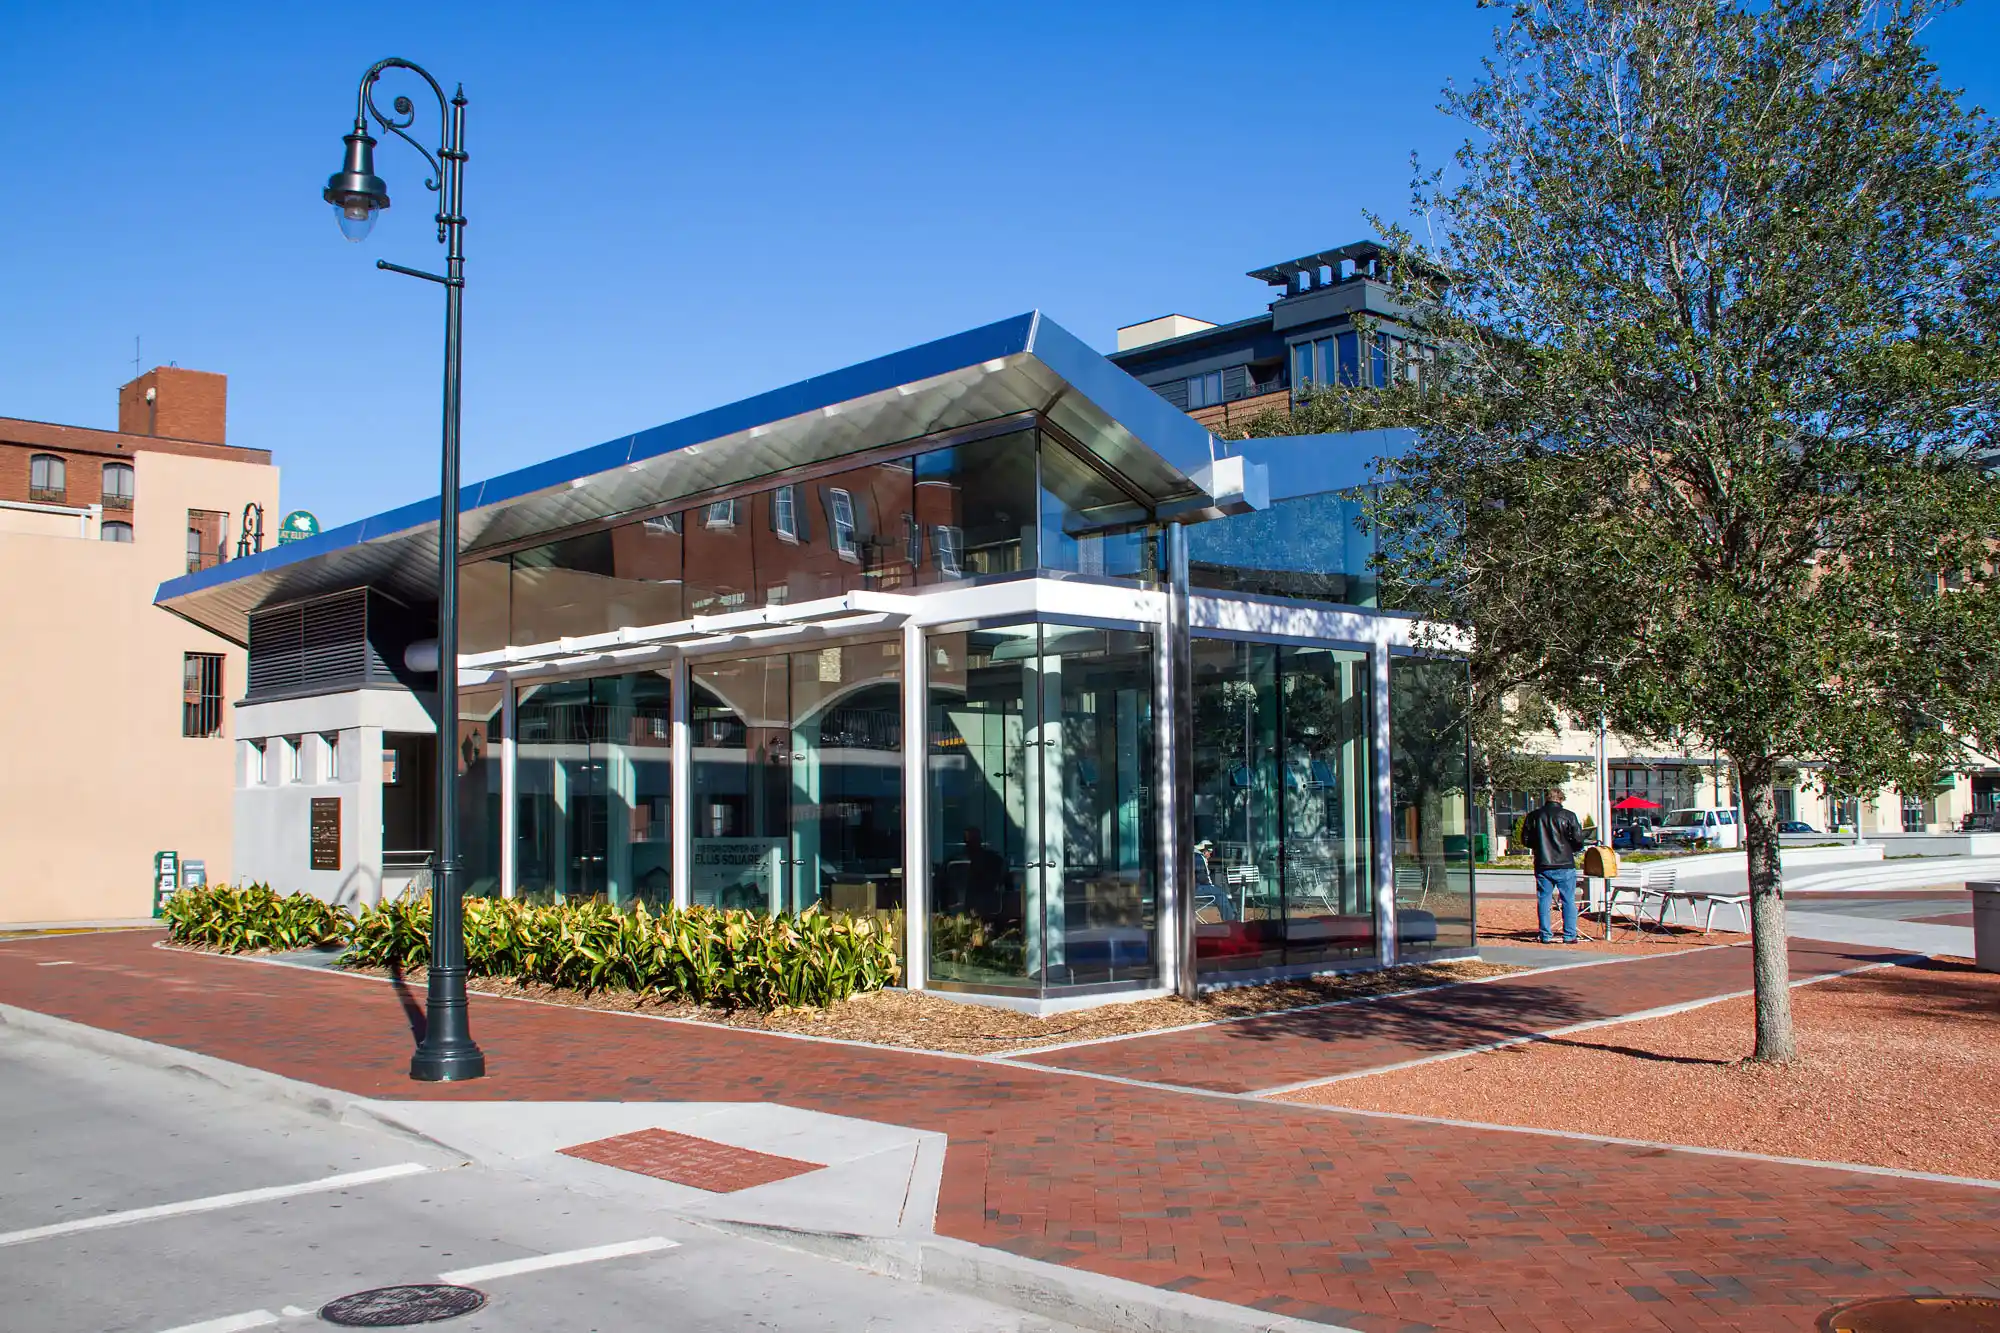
[(983, 637)]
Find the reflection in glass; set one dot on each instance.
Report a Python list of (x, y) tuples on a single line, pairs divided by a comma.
[(593, 782), (1041, 745), (1239, 915), (798, 783), (597, 582), (1282, 798), (719, 562), (741, 786), (479, 731), (1311, 547), (976, 503), (483, 596), (1430, 777), (1090, 526), (847, 778), (849, 533)]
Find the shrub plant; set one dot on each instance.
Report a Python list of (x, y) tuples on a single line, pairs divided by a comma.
[(245, 918)]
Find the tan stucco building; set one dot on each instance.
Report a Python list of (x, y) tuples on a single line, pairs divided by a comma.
[(116, 734)]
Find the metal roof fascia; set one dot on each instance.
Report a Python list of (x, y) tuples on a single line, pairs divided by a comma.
[(1315, 464), (1152, 420), (959, 351)]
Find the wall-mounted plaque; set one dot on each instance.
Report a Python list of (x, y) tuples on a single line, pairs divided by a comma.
[(326, 833)]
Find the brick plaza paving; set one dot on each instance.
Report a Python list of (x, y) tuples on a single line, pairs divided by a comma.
[(1380, 1223)]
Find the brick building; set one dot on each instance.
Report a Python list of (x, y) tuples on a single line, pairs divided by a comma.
[(90, 522), (1222, 375)]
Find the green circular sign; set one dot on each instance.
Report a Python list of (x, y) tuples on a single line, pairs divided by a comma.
[(298, 526)]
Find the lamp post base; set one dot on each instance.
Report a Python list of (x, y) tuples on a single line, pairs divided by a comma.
[(447, 1054)]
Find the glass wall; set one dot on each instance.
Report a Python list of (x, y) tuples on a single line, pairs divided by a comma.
[(1283, 801), (1043, 865), (798, 781), (1430, 776), (594, 789), (479, 734), (1091, 526), (1311, 547), (975, 508)]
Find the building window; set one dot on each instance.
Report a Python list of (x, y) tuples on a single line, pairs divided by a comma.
[(1327, 361), (662, 525), (47, 479), (201, 694), (840, 505), (329, 746), (254, 775), (117, 485), (295, 756), (115, 532), (948, 549), (913, 540), (785, 512), (208, 535), (1204, 390), (721, 514)]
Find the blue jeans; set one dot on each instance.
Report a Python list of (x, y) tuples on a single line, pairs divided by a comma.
[(1557, 880)]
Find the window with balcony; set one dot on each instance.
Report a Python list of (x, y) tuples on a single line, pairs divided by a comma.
[(48, 481), (207, 538), (117, 485)]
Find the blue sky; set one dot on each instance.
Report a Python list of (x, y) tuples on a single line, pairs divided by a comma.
[(674, 206)]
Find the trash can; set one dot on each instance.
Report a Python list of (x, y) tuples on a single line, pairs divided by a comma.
[(1985, 924)]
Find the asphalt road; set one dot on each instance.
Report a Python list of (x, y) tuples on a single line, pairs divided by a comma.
[(85, 1139)]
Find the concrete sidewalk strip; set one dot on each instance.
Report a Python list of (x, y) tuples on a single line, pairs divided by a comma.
[(1638, 1016), (238, 1199), (1876, 932)]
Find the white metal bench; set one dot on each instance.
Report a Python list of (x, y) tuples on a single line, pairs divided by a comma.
[(1702, 904), (1641, 885)]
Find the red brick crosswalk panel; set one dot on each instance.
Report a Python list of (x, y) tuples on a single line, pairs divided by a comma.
[(1371, 1222), (1255, 1054), (683, 1159)]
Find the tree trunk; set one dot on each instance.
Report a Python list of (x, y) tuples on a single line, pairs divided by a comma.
[(1770, 953)]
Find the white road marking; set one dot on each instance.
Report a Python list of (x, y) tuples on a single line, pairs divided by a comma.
[(211, 1203), (561, 1259), (60, 962), (294, 1312), (229, 1323)]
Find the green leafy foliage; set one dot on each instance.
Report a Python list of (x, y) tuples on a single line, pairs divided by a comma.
[(726, 958), (251, 918)]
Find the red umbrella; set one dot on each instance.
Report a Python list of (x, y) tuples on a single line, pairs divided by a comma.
[(1636, 803)]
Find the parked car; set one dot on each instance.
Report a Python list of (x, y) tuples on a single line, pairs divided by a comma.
[(1795, 826), (1634, 836), (1714, 829)]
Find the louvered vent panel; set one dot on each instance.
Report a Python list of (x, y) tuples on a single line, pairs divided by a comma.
[(336, 640), (277, 650)]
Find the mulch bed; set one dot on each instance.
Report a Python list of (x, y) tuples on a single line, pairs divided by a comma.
[(1511, 921), (1899, 1067), (929, 1022)]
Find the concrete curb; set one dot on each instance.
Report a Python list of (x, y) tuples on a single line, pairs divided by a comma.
[(1053, 1291)]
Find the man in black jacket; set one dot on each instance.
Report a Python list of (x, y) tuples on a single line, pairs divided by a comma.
[(1554, 836)]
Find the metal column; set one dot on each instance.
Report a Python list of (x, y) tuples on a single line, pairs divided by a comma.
[(681, 785), (509, 792), (1175, 734), (916, 812), (1385, 808)]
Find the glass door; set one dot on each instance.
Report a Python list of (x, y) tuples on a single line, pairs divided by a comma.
[(740, 713)]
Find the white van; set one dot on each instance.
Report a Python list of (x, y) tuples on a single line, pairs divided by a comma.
[(1717, 830)]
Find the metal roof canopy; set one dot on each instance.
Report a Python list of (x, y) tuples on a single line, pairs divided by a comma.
[(1026, 363), (1278, 275)]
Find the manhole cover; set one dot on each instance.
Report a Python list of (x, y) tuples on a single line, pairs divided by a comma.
[(1915, 1314), (399, 1307)]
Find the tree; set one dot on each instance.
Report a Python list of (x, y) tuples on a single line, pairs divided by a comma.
[(1712, 296)]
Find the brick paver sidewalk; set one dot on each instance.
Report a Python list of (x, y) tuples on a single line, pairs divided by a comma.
[(1258, 1054), (1379, 1223)]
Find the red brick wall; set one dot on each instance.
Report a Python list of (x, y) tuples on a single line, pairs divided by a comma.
[(187, 405)]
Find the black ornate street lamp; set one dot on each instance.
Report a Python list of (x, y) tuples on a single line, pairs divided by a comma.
[(447, 1051)]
